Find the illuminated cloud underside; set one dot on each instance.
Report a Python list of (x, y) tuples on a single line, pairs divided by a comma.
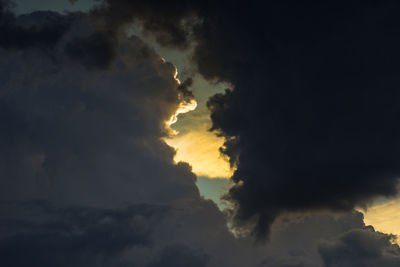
[(184, 107)]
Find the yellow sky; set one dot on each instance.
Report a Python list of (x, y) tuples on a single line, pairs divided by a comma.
[(200, 148), (193, 141), (385, 217)]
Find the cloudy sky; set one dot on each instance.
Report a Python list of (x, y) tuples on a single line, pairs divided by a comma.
[(199, 133)]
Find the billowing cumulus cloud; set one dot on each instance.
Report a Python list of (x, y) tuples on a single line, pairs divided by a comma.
[(20, 33), (87, 180), (72, 134), (84, 136)]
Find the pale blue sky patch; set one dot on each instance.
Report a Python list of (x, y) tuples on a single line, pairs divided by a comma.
[(214, 189)]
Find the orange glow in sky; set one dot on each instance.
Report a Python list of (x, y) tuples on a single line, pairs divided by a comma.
[(201, 150)]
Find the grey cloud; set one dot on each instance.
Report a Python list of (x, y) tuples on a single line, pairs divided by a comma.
[(361, 247), (97, 50), (166, 20), (85, 134), (19, 33), (88, 141), (180, 256), (73, 134), (38, 234)]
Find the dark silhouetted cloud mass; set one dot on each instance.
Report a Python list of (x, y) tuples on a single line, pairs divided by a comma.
[(310, 124), (311, 120)]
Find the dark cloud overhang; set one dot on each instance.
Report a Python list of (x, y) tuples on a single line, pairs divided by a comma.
[(311, 122), (313, 114)]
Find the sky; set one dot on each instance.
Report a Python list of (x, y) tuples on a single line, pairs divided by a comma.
[(187, 133)]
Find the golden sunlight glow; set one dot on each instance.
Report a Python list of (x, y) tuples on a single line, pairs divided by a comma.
[(197, 146), (384, 217), (201, 150), (184, 107)]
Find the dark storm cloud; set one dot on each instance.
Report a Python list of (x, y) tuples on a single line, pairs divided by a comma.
[(84, 134), (88, 135), (86, 138), (21, 34), (167, 20), (311, 122), (328, 240), (184, 89), (97, 50), (361, 247), (39, 234), (180, 255)]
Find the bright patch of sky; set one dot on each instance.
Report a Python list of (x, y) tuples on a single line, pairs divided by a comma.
[(214, 189), (384, 216)]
